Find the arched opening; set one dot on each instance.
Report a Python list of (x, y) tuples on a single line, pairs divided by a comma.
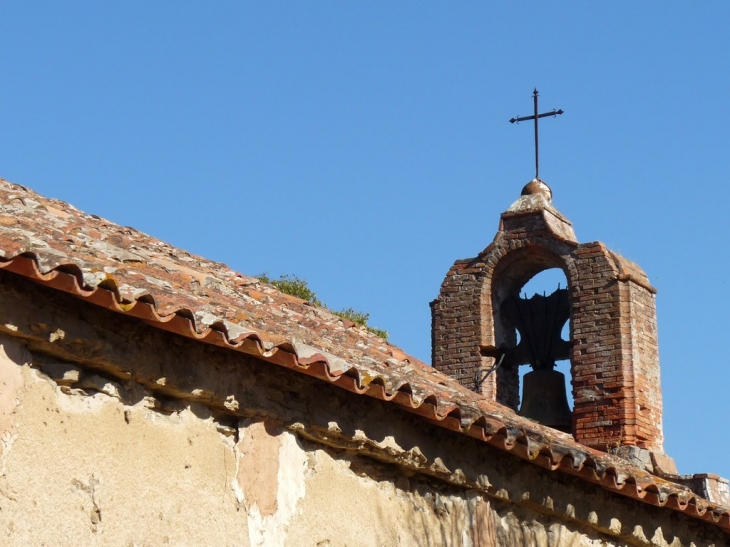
[(545, 283), (531, 320)]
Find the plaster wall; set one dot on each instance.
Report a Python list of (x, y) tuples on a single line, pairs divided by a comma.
[(86, 469)]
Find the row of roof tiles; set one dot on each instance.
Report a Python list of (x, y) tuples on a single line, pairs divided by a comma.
[(131, 273)]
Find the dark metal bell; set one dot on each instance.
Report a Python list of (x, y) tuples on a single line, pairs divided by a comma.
[(544, 399)]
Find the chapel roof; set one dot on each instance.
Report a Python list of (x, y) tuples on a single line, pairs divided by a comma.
[(124, 270)]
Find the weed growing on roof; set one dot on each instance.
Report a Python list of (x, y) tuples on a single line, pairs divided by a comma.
[(361, 318), (294, 286), (291, 284)]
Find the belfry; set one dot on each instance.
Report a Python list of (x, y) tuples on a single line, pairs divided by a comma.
[(610, 306)]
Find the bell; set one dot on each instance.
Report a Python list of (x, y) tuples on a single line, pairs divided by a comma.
[(544, 399)]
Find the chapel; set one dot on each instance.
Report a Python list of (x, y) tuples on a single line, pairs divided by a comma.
[(149, 396)]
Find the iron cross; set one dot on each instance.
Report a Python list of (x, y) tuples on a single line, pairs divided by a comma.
[(536, 117)]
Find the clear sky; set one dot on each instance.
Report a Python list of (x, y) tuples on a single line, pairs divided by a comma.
[(365, 146)]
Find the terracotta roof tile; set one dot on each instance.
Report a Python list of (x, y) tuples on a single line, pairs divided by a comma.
[(132, 273)]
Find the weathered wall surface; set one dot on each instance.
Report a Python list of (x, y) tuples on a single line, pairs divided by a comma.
[(151, 439), (82, 469), (85, 470)]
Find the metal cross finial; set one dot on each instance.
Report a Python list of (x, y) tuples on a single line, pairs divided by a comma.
[(536, 117)]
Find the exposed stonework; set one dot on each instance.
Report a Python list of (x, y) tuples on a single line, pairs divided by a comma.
[(270, 480), (614, 362)]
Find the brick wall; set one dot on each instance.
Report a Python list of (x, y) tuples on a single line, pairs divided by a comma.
[(614, 364)]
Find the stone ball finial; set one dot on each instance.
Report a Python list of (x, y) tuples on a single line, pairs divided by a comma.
[(536, 186)]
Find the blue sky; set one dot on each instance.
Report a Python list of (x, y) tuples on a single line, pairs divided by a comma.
[(365, 146)]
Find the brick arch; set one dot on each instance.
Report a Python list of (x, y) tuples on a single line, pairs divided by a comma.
[(506, 278)]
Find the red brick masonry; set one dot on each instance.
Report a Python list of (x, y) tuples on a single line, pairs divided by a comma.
[(615, 359)]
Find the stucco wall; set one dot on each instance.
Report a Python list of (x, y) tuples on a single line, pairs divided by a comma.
[(82, 469), (86, 470)]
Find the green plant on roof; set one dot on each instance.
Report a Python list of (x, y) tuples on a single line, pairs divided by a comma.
[(358, 317), (294, 286), (291, 284)]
